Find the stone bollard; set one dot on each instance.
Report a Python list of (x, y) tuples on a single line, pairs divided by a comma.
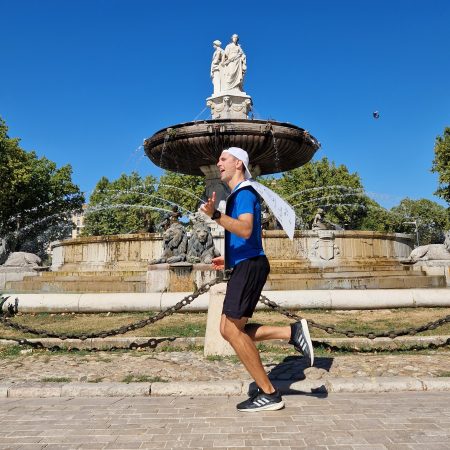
[(215, 344)]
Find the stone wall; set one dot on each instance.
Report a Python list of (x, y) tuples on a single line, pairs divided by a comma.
[(122, 251), (315, 248)]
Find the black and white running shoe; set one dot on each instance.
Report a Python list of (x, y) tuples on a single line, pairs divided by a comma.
[(262, 402), (301, 340)]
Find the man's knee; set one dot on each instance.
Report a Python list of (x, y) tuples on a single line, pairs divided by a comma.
[(230, 328)]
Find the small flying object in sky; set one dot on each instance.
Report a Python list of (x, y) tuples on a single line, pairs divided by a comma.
[(376, 115)]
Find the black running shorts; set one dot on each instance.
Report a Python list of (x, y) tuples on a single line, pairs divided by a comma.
[(244, 287)]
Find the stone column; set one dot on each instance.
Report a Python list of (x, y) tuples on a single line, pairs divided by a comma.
[(213, 183), (215, 344)]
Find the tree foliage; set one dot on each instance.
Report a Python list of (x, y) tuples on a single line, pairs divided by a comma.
[(322, 184), (37, 199), (441, 164), (125, 205), (133, 204), (186, 191), (430, 217), (378, 218)]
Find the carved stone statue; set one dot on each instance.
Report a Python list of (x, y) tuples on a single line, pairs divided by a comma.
[(235, 65), (175, 245), (4, 250), (432, 251), (169, 219), (228, 67), (268, 219), (23, 259), (201, 247), (216, 67), (318, 222)]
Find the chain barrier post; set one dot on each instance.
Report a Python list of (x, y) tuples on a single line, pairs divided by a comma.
[(215, 344)]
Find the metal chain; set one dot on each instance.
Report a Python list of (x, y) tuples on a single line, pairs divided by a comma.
[(350, 333), (115, 331), (5, 320), (413, 347)]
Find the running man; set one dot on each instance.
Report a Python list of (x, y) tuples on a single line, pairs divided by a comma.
[(244, 254)]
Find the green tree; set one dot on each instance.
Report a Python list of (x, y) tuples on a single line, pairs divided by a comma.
[(378, 218), (441, 164), (126, 205), (184, 190), (431, 219), (322, 184), (37, 199)]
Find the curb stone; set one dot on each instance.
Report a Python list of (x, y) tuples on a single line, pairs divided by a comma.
[(34, 390), (436, 384), (196, 388), (105, 389), (374, 384), (222, 388)]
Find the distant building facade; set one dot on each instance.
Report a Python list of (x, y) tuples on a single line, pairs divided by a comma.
[(78, 221)]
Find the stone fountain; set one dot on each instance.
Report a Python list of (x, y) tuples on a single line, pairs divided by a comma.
[(315, 259), (193, 148)]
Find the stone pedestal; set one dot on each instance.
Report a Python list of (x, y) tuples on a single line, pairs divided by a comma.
[(178, 277), (213, 184), (436, 267), (235, 105), (215, 344)]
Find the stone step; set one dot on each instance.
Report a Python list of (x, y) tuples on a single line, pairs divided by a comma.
[(117, 266), (299, 268), (352, 274), (100, 277), (292, 283), (76, 286), (108, 273)]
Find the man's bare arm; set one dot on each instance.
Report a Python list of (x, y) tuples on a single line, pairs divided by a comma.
[(242, 226)]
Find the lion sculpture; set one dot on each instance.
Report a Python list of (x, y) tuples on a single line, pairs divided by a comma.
[(432, 251), (23, 259), (4, 250), (201, 245), (175, 245)]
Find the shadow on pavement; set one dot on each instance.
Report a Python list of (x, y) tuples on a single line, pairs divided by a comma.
[(291, 370)]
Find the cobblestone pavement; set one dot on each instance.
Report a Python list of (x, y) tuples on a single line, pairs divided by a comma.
[(193, 366), (395, 421)]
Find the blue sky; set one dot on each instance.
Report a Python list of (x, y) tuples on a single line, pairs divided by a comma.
[(84, 82)]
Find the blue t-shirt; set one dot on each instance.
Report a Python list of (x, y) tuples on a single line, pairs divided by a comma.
[(237, 249)]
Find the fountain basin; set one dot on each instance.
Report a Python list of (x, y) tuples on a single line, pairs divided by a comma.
[(272, 146), (314, 260)]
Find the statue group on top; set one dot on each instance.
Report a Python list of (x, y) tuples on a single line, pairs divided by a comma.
[(228, 67)]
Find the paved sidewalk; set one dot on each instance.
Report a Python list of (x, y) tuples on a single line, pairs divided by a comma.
[(149, 371), (394, 421)]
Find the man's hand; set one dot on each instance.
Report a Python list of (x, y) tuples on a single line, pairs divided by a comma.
[(218, 263), (210, 206)]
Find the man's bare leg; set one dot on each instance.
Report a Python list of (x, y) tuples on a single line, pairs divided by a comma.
[(265, 332), (232, 330)]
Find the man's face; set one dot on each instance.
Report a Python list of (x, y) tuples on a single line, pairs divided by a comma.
[(228, 165)]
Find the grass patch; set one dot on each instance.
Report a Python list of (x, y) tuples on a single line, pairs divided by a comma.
[(214, 358), (174, 348), (443, 374), (10, 351), (193, 324), (56, 380), (143, 379)]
